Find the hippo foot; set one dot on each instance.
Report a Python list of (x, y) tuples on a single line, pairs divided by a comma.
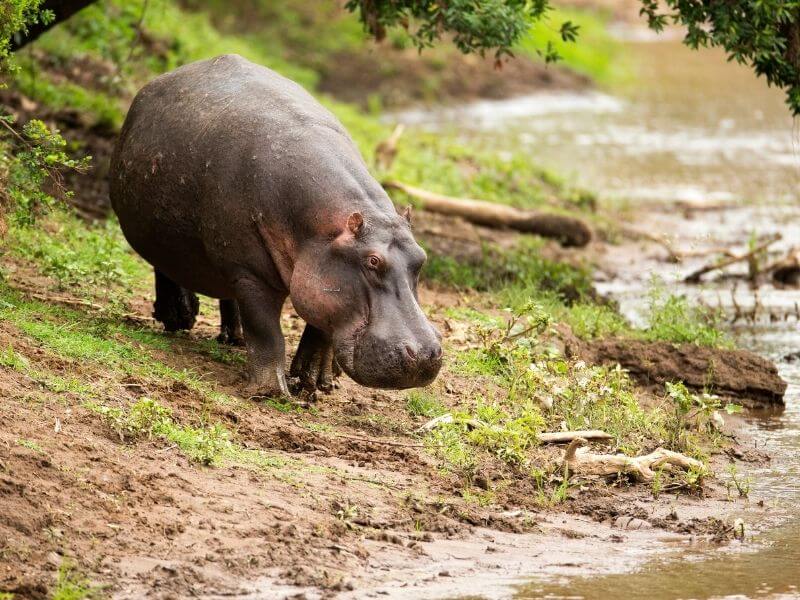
[(313, 367), (230, 338), (175, 307), (230, 331), (256, 391)]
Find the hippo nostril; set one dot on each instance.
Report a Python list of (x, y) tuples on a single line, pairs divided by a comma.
[(436, 353), (411, 353)]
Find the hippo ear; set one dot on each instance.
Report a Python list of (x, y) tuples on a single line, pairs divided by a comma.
[(355, 223), (407, 214)]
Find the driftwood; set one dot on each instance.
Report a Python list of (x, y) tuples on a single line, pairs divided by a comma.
[(732, 259), (786, 271), (556, 437), (580, 461), (569, 231), (563, 437)]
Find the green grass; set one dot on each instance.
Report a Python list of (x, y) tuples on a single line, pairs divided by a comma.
[(106, 344), (79, 255), (71, 585), (423, 403), (206, 444), (673, 318), (595, 54), (30, 445), (516, 274)]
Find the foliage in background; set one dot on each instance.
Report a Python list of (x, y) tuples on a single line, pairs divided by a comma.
[(39, 159), (763, 34), (473, 25), (15, 16)]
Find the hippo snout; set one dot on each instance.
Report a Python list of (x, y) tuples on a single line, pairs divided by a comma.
[(396, 363)]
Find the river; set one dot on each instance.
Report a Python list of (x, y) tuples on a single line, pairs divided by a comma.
[(694, 128)]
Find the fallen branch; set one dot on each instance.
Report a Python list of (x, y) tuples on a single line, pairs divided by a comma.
[(582, 462), (786, 271), (569, 231), (562, 437), (731, 260)]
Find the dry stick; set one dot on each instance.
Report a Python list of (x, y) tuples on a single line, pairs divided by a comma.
[(721, 264), (675, 255), (636, 234), (640, 468), (562, 437), (568, 230)]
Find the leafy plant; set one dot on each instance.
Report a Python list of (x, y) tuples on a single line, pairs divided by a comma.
[(423, 404), (692, 412), (742, 484), (40, 157), (672, 318), (16, 16), (71, 585)]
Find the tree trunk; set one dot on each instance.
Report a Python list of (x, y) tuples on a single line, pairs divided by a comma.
[(62, 9)]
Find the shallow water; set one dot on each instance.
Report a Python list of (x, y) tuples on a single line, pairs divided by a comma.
[(691, 127), (696, 129)]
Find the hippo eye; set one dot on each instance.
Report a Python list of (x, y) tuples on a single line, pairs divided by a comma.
[(374, 262)]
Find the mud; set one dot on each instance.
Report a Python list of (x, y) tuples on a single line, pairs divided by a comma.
[(352, 506), (731, 373)]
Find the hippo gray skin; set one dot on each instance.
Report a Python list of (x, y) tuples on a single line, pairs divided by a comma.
[(233, 182)]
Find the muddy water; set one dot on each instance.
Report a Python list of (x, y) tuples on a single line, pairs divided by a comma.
[(693, 129)]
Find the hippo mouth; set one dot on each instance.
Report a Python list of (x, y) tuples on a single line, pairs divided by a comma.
[(385, 368)]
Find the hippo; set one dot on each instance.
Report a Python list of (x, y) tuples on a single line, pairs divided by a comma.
[(235, 183)]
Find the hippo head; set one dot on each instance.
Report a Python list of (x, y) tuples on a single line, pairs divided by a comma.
[(359, 285)]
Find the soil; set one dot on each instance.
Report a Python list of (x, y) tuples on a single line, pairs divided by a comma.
[(354, 505), (731, 373)]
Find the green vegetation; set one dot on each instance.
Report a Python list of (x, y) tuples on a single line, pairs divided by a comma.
[(672, 318), (71, 585), (422, 403), (80, 256), (524, 386), (597, 55), (16, 15), (31, 445), (148, 418)]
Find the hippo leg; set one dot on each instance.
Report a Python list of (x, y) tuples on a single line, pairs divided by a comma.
[(231, 324), (175, 307), (313, 365), (260, 310)]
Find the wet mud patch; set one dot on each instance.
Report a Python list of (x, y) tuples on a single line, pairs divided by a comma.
[(739, 374)]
